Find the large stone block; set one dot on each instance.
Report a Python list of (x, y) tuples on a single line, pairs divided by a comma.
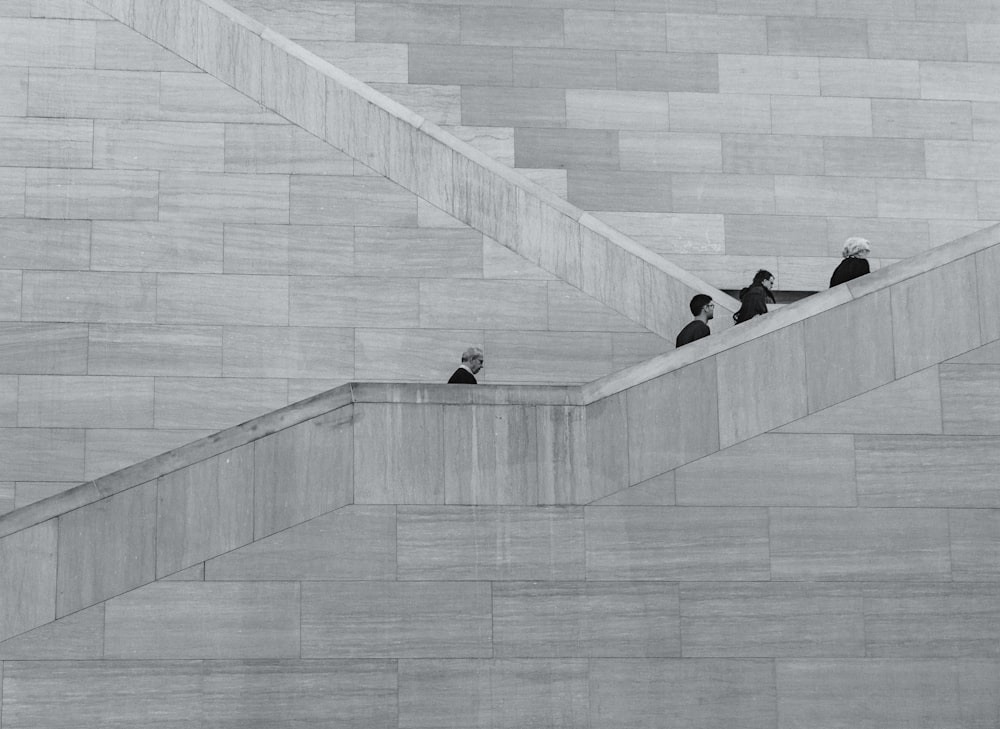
[(213, 299), (649, 71), (975, 544), (43, 349), (568, 68), (512, 26), (904, 38), (399, 453), (85, 401), (28, 579), (841, 196), (289, 249), (460, 64), (88, 297), (712, 112), (797, 36), (37, 142), (150, 350), (336, 200), (612, 109), (296, 352), (52, 454), (88, 194), (188, 146), (959, 81), (157, 246), (763, 74), (227, 197), (94, 94)]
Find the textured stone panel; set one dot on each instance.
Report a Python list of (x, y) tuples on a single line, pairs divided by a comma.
[(859, 544), (270, 149), (970, 398), (614, 190), (959, 81), (758, 154), (12, 192), (44, 244), (921, 119), (562, 472), (490, 543), (297, 352), (14, 87), (821, 116), (52, 454), (708, 112), (91, 94), (28, 579), (204, 510), (569, 68), (517, 26), (853, 197), (111, 449), (200, 97), (674, 693), (917, 40), (289, 249), (989, 296), (647, 71), (773, 470), (398, 454), (88, 297), (772, 619), (855, 157), (975, 544), (117, 349), (407, 24), (106, 548), (335, 200), (91, 194), (173, 620), (353, 302), (84, 401), (46, 142), (607, 444), (839, 37), (397, 620), (302, 472), (155, 246), (485, 304), (513, 107), (775, 234), (676, 543), (722, 193), (669, 151), (658, 441), (221, 299), (565, 148), (418, 252), (158, 145), (611, 109), (763, 74), (77, 636), (706, 33), (615, 31), (585, 619), (213, 403), (454, 64), (43, 349), (49, 43), (232, 198), (352, 543), (869, 78), (963, 160)]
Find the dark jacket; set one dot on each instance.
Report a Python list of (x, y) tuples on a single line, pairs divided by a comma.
[(692, 333), (754, 300), (848, 269), (462, 376)]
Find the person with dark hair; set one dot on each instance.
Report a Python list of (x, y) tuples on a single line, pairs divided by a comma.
[(472, 362), (855, 263), (703, 309), (754, 297)]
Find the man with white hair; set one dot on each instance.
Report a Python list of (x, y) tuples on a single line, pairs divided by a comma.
[(472, 362), (855, 261)]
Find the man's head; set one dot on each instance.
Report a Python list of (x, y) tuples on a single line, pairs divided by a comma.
[(702, 306), (473, 359), (764, 278)]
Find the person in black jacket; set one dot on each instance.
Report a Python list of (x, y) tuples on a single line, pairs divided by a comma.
[(472, 362), (855, 261), (754, 297), (703, 309)]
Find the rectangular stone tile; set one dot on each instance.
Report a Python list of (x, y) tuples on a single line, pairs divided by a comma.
[(528, 356), (676, 543), (970, 399), (708, 112), (927, 471), (972, 11), (927, 199), (852, 197), (959, 81), (106, 548), (614, 30), (982, 39), (773, 470), (412, 469), (418, 252), (986, 266), (158, 145), (28, 578), (922, 119), (490, 543), (565, 148), (356, 542), (851, 156), (460, 64), (921, 41), (570, 68), (302, 472), (985, 121), (612, 109), (7, 496), (585, 619), (648, 71), (270, 148), (918, 344), (517, 26), (821, 116), (112, 449), (51, 454), (563, 476), (375, 22), (716, 34), (767, 7), (222, 299), (962, 160), (333, 200), (204, 510), (12, 192), (308, 693), (43, 349), (619, 190), (8, 401), (84, 401), (156, 246), (775, 235), (888, 694), (525, 304), (154, 350), (46, 142), (296, 352), (91, 194), (975, 547), (14, 87), (289, 249), (758, 154), (171, 620), (353, 302), (479, 694), (235, 198), (213, 403), (84, 93), (77, 636), (872, 78), (514, 107), (722, 193), (397, 620), (47, 693), (763, 74), (670, 151), (53, 43), (652, 693), (200, 97), (772, 619), (436, 104), (936, 619), (839, 37), (859, 544), (118, 47)]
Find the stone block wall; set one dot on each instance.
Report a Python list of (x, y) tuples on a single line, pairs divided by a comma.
[(727, 136)]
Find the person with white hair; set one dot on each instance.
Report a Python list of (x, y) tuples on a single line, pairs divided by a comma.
[(472, 362), (855, 261)]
